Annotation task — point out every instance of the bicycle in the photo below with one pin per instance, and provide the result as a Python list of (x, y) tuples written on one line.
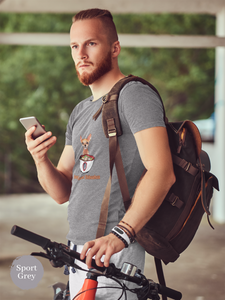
[(60, 255)]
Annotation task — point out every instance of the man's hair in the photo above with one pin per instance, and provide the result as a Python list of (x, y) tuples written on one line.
[(104, 16)]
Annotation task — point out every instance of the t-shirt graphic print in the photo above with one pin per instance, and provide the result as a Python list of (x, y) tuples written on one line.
[(86, 160)]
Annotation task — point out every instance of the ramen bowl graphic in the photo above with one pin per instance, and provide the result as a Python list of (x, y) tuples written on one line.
[(86, 162)]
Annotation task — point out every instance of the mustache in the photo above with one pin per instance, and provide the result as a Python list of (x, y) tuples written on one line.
[(84, 62)]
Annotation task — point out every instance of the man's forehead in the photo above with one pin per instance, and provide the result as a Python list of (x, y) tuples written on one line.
[(90, 27)]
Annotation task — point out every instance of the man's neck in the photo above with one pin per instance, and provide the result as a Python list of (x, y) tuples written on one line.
[(104, 84)]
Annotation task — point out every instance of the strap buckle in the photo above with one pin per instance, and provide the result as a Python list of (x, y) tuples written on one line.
[(174, 201), (111, 134), (111, 128), (187, 167), (105, 99)]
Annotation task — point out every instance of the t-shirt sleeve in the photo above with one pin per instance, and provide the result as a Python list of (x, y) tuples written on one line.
[(141, 107), (69, 129)]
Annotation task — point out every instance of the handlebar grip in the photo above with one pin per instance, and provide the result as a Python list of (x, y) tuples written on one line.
[(173, 294), (30, 236)]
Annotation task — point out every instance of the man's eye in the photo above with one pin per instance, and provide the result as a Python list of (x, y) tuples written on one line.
[(74, 47), (91, 44)]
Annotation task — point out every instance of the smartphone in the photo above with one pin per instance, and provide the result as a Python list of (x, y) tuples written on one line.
[(32, 121)]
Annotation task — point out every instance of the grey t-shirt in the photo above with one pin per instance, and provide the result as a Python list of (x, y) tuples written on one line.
[(139, 108)]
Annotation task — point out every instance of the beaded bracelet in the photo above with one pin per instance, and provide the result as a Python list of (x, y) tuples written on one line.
[(122, 233), (127, 231)]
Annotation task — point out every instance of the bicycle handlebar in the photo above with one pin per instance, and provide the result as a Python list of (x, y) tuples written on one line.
[(67, 256), (30, 237), (173, 294), (45, 243)]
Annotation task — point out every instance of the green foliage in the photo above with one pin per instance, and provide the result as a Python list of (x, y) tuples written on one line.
[(184, 78), (35, 22), (165, 24), (41, 81)]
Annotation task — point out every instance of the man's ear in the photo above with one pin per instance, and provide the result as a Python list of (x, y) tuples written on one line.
[(116, 49)]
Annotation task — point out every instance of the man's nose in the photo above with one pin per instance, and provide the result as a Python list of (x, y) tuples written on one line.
[(82, 54)]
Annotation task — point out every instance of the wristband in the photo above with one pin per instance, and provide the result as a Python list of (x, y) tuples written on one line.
[(121, 235), (130, 235)]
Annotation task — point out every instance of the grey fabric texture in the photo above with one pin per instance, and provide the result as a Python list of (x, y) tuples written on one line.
[(139, 108)]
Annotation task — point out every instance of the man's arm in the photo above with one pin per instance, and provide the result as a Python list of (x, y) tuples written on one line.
[(55, 181), (155, 153)]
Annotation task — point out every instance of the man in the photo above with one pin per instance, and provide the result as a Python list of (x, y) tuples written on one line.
[(144, 144)]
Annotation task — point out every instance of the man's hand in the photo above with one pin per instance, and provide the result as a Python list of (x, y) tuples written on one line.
[(107, 245), (39, 147)]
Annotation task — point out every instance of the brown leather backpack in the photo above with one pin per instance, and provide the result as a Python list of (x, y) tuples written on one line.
[(173, 226)]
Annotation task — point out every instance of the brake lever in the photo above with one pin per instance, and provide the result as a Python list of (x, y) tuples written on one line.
[(56, 263)]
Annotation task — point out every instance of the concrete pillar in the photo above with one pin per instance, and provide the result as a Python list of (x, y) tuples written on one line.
[(219, 199)]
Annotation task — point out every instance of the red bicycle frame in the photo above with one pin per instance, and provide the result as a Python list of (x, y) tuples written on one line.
[(88, 289)]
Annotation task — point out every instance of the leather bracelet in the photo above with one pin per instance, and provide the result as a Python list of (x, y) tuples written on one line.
[(127, 231), (121, 234), (134, 234)]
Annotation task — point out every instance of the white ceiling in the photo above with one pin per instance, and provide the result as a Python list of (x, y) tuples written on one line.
[(213, 7), (115, 6)]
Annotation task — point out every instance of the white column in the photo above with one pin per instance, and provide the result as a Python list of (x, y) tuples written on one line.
[(219, 199)]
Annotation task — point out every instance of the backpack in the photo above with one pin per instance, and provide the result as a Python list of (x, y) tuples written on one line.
[(171, 229)]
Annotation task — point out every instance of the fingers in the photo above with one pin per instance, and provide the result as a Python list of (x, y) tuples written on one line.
[(102, 248), (85, 249), (99, 257), (115, 245), (108, 255), (88, 254), (39, 147), (28, 134)]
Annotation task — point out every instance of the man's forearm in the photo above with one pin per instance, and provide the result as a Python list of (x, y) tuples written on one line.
[(148, 197), (54, 182)]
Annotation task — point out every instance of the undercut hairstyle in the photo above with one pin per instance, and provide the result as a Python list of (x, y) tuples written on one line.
[(104, 16)]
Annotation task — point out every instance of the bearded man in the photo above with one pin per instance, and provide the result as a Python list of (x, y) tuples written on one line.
[(144, 145)]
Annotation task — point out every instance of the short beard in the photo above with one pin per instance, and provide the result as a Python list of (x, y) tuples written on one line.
[(102, 68)]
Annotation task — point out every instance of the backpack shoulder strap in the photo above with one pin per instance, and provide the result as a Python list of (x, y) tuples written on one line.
[(112, 129), (109, 108)]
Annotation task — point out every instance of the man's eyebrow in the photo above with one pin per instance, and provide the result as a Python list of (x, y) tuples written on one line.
[(87, 41)]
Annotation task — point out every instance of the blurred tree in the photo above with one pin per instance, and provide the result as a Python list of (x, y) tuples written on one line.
[(41, 81), (184, 77)]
